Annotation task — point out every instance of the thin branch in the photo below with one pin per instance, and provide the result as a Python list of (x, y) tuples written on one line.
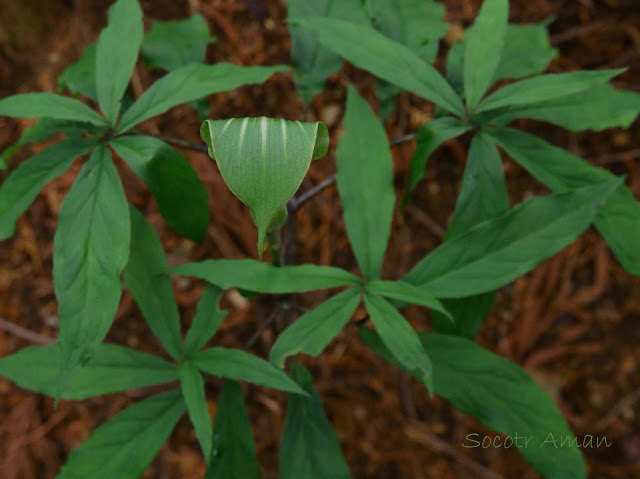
[(265, 324), (189, 145), (295, 203), (627, 401), (402, 139), (609, 158), (421, 434), (580, 30), (24, 333), (437, 230)]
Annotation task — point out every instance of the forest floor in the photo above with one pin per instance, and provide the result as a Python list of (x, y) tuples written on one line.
[(573, 323)]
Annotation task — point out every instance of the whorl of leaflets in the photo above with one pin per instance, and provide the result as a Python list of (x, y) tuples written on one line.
[(263, 161)]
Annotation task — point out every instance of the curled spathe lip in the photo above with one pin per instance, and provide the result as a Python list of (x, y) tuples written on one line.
[(264, 160)]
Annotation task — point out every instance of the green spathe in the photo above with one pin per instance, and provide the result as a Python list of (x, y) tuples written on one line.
[(263, 161)]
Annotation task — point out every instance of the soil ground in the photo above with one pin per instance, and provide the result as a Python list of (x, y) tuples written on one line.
[(573, 322)]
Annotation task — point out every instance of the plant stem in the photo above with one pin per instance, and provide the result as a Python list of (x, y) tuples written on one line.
[(274, 240), (189, 145)]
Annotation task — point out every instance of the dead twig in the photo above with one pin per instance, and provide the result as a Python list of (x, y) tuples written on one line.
[(24, 333), (419, 433), (437, 230), (627, 401)]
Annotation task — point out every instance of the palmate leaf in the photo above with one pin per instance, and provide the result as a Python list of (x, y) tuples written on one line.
[(23, 184), (239, 365), (497, 251), (310, 447), (314, 63), (80, 77), (429, 137), (405, 292), (483, 196), (182, 198), (526, 51), (482, 49), (48, 105), (147, 277), (401, 339), (234, 451), (192, 386), (597, 109), (545, 87), (618, 220), (264, 160), (189, 83), (365, 183), (91, 247), (502, 396), (206, 320), (113, 369), (388, 60), (44, 129), (124, 446), (116, 55), (174, 44), (417, 24), (252, 275), (312, 331)]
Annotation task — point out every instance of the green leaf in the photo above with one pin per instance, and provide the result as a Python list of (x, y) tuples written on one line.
[(483, 196), (484, 189), (44, 129), (182, 198), (147, 278), (253, 275), (124, 446), (91, 247), (310, 447), (388, 60), (367, 198), (313, 63), (429, 137), (401, 339), (234, 452), (80, 77), (23, 184), (503, 397), (526, 51), (415, 24), (482, 49), (174, 44), (312, 331), (190, 83), (618, 220), (545, 87), (497, 251), (241, 366), (192, 386), (112, 369), (597, 109), (206, 320), (264, 160), (116, 55), (455, 67), (468, 315), (401, 291), (41, 105)]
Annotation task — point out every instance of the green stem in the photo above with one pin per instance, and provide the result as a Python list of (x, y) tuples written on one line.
[(273, 240)]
